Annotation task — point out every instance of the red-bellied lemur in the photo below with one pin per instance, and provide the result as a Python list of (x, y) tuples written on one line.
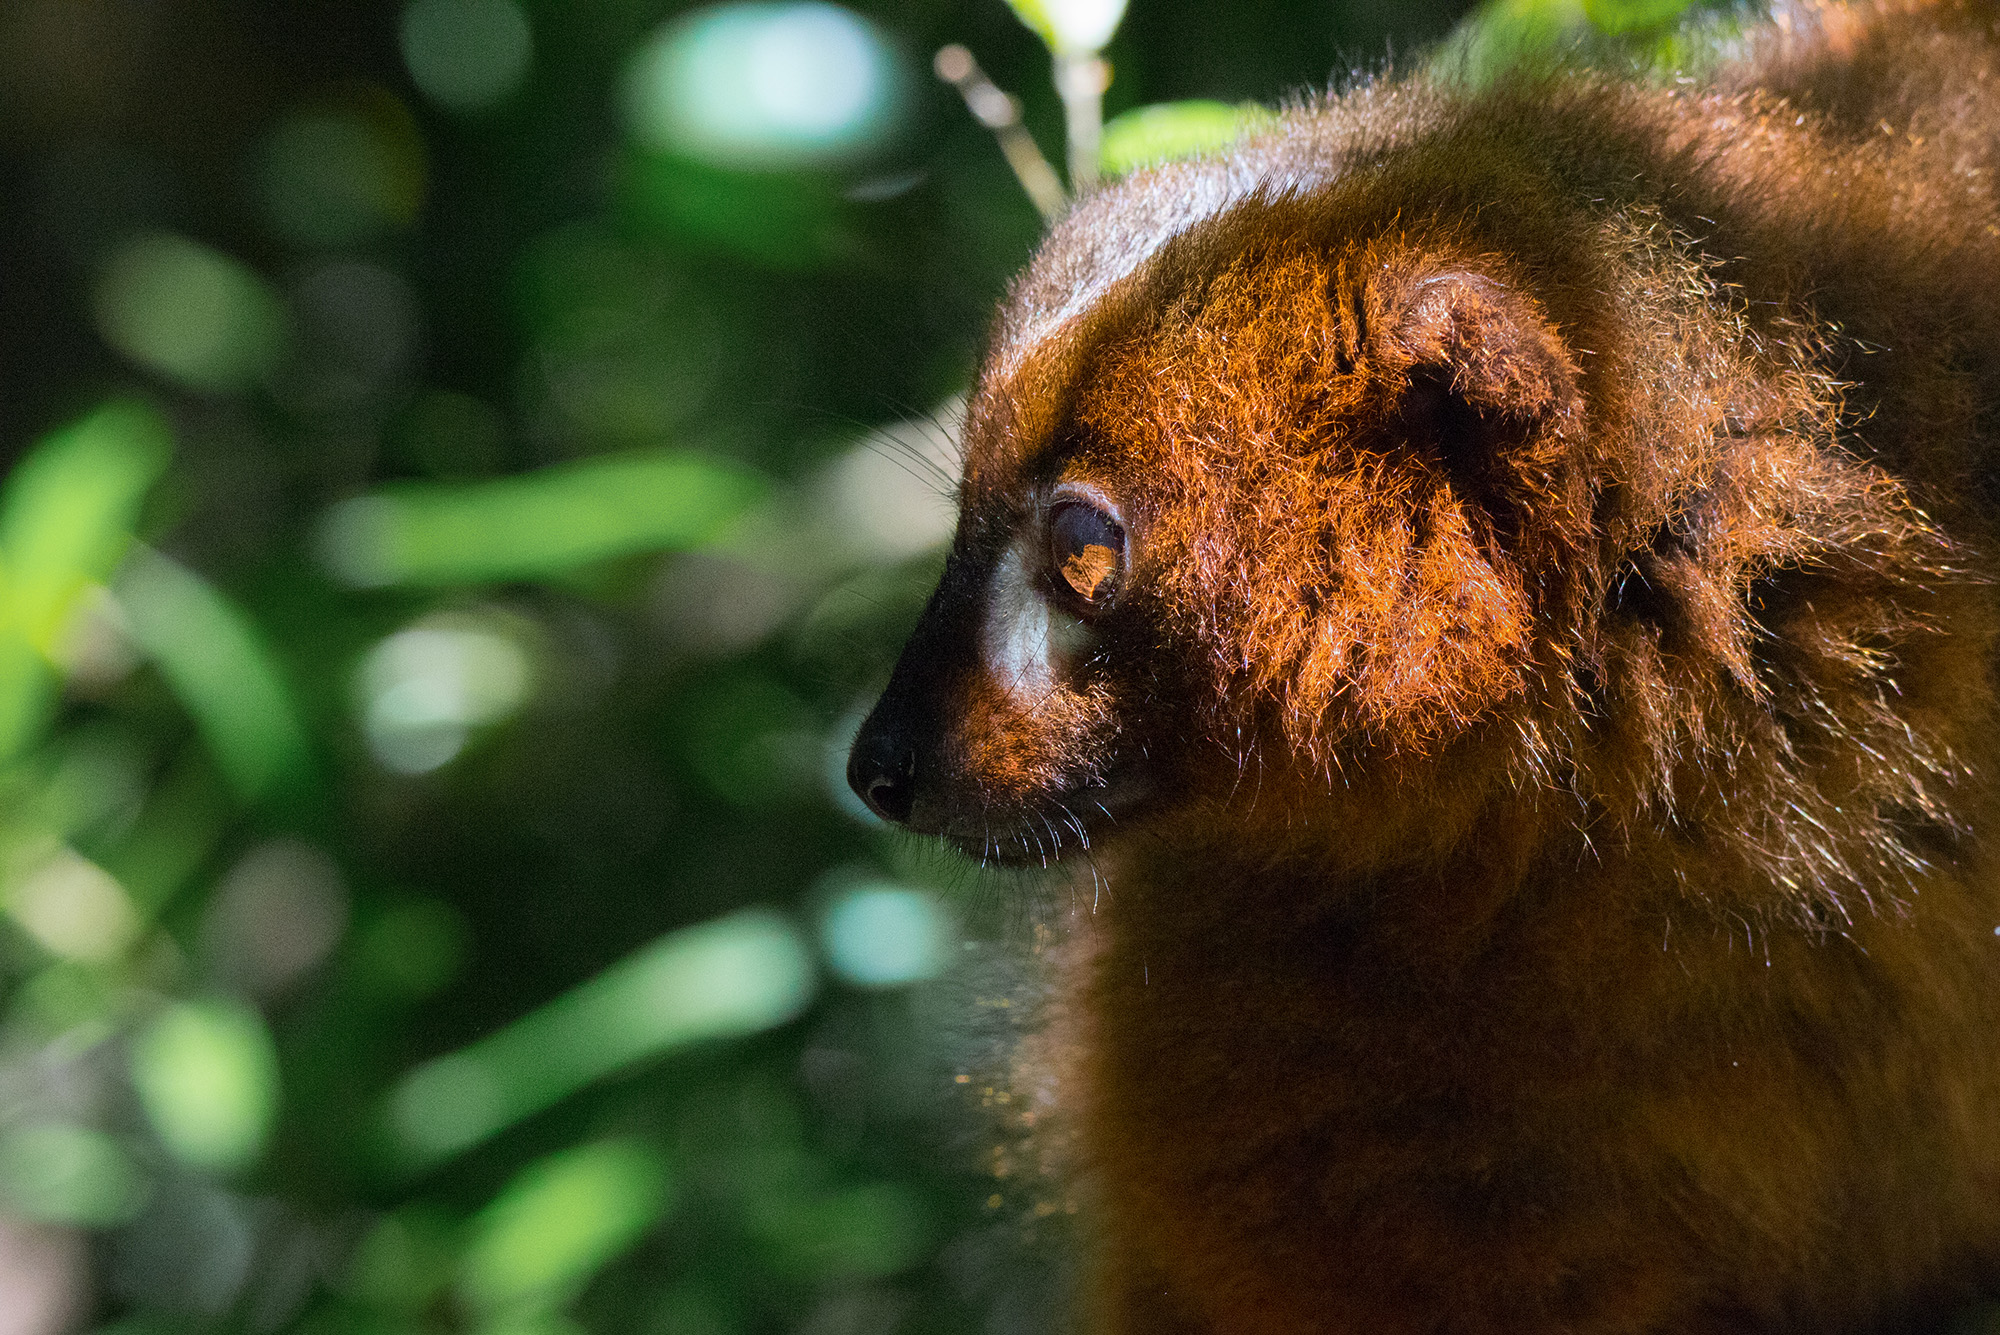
[(1499, 580)]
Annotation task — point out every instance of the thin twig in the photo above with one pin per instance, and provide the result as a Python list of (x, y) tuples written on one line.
[(1000, 112)]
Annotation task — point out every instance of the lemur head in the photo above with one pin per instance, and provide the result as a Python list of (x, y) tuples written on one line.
[(1339, 498), (1236, 481)]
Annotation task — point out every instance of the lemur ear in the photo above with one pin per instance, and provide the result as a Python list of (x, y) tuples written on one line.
[(1484, 345)]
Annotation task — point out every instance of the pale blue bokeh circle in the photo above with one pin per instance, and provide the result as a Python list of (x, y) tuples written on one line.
[(765, 86)]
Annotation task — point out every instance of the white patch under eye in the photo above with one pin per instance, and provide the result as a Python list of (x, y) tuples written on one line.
[(1025, 641)]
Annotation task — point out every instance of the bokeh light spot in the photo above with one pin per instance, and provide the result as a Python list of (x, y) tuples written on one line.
[(207, 1076), (893, 495), (467, 55), (75, 1000), (1071, 26), (278, 913), (94, 648), (883, 935), (73, 908), (765, 86), (188, 313), (424, 689), (54, 1172)]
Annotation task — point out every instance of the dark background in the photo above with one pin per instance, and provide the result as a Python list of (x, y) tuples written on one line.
[(283, 818)]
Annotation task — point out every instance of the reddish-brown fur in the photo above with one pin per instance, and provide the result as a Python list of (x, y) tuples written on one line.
[(1540, 755)]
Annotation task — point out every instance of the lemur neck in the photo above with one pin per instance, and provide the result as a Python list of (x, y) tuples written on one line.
[(1398, 881)]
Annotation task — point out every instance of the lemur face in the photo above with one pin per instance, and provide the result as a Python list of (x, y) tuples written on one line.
[(1263, 491), (1014, 724)]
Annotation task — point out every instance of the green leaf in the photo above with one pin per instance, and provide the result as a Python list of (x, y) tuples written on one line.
[(65, 520), (1501, 35), (216, 661), (729, 978), (1168, 131), (535, 525), (558, 1223), (1623, 16)]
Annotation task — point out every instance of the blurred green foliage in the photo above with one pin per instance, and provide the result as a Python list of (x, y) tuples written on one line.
[(472, 462), (1165, 131)]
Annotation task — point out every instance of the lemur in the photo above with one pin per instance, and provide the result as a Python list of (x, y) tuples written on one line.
[(1499, 582)]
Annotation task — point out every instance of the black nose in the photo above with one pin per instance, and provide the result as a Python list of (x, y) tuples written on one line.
[(881, 769)]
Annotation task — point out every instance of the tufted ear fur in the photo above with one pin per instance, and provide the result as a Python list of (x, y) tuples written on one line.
[(1488, 385), (1486, 346), (1367, 484)]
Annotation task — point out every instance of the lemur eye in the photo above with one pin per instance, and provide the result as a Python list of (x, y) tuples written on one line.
[(1086, 553)]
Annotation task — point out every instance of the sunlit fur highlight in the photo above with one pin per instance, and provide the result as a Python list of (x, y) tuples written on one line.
[(1540, 757)]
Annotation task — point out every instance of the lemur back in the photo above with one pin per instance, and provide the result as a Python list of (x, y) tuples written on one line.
[(1498, 582)]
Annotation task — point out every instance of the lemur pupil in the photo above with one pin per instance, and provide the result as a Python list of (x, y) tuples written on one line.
[(1086, 544), (1088, 569)]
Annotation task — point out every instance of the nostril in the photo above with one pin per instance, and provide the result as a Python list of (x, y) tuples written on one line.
[(890, 796), (882, 774)]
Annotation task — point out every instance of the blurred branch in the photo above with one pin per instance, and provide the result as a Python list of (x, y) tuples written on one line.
[(1076, 32), (1000, 112), (1080, 81)]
